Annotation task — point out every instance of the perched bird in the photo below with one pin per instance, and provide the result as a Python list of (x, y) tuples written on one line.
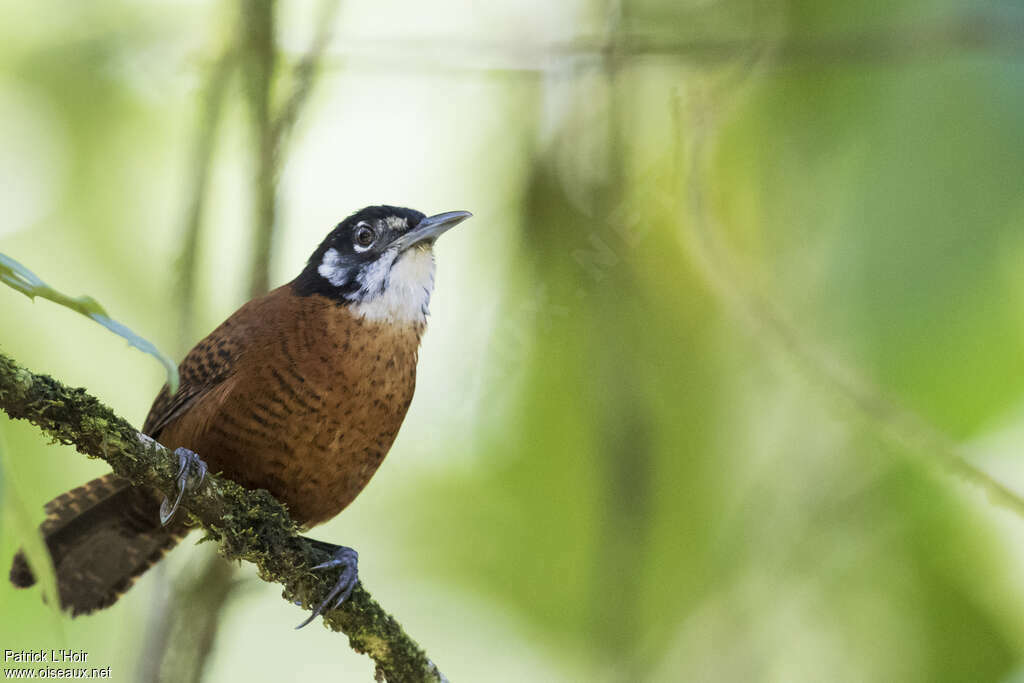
[(300, 392)]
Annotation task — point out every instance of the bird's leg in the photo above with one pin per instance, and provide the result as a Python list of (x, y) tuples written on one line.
[(347, 560), (191, 472)]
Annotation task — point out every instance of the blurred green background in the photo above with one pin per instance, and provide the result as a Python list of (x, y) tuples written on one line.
[(741, 276)]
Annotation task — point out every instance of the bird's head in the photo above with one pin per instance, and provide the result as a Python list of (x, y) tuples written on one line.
[(380, 262)]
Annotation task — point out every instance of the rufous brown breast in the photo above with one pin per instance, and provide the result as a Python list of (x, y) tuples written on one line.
[(296, 395)]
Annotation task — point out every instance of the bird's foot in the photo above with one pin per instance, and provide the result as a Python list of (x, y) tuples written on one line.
[(347, 560), (191, 473)]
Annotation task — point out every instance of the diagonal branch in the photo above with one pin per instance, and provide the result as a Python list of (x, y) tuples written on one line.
[(249, 525), (205, 142), (303, 76), (837, 382)]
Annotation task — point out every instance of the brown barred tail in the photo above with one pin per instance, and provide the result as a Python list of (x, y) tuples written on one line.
[(101, 536)]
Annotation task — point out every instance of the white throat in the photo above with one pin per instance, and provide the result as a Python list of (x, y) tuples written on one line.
[(398, 292)]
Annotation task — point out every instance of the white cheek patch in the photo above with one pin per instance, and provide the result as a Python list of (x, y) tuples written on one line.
[(332, 269), (404, 294), (373, 279)]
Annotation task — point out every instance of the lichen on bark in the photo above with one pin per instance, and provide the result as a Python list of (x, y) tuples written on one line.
[(248, 525)]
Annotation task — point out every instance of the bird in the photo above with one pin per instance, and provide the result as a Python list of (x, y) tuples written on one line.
[(300, 392)]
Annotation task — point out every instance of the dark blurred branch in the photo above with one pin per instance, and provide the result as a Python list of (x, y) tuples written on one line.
[(623, 453), (184, 621), (212, 100), (194, 618), (258, 59), (271, 129), (249, 525), (304, 74)]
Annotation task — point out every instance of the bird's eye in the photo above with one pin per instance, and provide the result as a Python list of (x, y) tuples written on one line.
[(364, 236)]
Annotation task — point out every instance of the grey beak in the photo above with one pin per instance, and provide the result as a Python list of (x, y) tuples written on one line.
[(430, 228)]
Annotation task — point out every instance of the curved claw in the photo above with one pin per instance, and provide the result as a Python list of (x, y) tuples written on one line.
[(187, 461), (348, 560), (167, 509)]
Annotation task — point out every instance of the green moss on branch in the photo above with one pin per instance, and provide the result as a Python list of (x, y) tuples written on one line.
[(249, 525)]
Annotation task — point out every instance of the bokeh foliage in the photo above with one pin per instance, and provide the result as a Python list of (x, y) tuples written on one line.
[(612, 471)]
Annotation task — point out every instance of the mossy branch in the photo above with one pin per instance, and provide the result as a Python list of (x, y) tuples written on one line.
[(249, 525)]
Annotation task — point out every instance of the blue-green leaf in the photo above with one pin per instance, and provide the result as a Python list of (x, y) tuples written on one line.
[(17, 276)]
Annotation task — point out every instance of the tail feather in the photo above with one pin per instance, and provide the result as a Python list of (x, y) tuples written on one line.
[(102, 536)]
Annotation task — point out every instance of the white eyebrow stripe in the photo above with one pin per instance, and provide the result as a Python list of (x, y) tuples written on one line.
[(397, 223)]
